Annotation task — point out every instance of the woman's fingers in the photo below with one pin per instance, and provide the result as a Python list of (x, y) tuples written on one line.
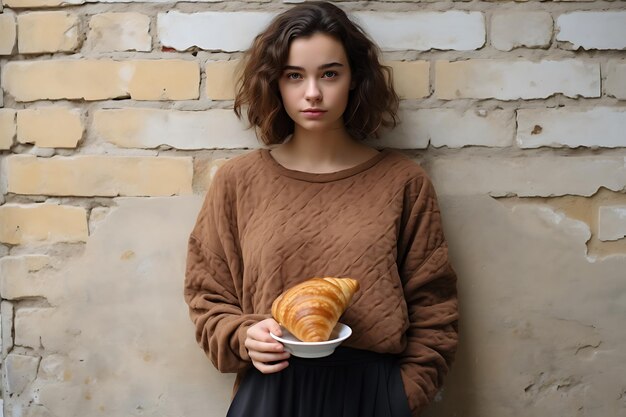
[(270, 368), (267, 355)]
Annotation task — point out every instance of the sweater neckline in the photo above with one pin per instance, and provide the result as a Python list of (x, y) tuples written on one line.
[(322, 177)]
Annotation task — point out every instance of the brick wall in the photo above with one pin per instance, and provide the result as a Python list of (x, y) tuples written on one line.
[(114, 116)]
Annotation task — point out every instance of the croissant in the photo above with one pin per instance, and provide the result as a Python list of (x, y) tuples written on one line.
[(311, 309)]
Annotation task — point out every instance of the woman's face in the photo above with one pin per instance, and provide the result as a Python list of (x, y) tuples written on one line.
[(315, 83)]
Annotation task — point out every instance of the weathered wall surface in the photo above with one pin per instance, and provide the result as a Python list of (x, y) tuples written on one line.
[(115, 115)]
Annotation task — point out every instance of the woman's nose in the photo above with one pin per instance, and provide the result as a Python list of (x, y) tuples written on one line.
[(313, 91)]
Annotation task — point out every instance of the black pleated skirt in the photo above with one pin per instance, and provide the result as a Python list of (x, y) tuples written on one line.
[(348, 383)]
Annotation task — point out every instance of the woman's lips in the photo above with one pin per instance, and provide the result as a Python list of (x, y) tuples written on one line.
[(313, 113)]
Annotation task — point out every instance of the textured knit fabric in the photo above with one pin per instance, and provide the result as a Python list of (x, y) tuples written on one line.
[(264, 228), (348, 383)]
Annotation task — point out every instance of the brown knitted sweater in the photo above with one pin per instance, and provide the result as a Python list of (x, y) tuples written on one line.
[(264, 228)]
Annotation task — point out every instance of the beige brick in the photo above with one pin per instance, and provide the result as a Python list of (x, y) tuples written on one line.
[(20, 224), (7, 33), (511, 30), (150, 128), (515, 79), (50, 127), (411, 79), (19, 277), (98, 175), (119, 32), (102, 79), (615, 85), (220, 79), (42, 32), (205, 172), (7, 128)]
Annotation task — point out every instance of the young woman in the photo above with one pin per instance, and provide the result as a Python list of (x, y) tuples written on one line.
[(319, 202)]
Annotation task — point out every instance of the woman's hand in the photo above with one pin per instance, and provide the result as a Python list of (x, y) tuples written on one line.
[(268, 355)]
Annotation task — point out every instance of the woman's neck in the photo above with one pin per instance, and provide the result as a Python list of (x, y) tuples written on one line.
[(324, 151)]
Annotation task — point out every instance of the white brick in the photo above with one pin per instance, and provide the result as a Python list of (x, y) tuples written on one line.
[(8, 128), (511, 30), (19, 276), (225, 31), (52, 3), (572, 127), (452, 128), (6, 316), (615, 85), (119, 32), (20, 371), (451, 30), (405, 135), (527, 177), (593, 30), (455, 128), (515, 79), (149, 128), (28, 321), (612, 223)]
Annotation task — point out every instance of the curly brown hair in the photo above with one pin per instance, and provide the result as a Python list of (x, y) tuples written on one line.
[(372, 104)]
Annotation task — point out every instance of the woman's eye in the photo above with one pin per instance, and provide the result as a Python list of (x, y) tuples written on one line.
[(293, 76), (330, 74)]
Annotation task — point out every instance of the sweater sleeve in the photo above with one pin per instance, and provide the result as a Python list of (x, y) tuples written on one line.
[(213, 280), (429, 284)]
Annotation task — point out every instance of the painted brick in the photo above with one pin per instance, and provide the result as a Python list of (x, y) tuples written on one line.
[(7, 128), (422, 31), (102, 79), (20, 224), (612, 223), (97, 175), (572, 127), (149, 128), (19, 278), (20, 372), (50, 127), (527, 177), (455, 128), (515, 79), (615, 85), (411, 79), (53, 3), (28, 322), (510, 30), (452, 128), (119, 32), (8, 33), (220, 79), (593, 29), (42, 32), (40, 3), (222, 31)]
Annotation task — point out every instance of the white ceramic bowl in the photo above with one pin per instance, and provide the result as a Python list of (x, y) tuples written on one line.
[(314, 349)]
